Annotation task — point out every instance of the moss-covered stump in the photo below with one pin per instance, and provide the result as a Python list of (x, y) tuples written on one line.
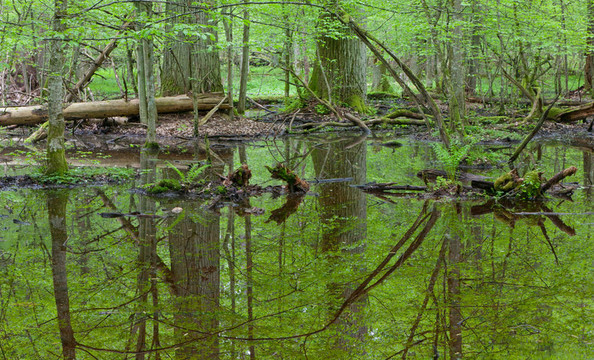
[(163, 186), (294, 183), (240, 177), (508, 181)]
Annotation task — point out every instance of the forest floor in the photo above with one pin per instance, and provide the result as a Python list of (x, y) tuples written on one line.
[(507, 129)]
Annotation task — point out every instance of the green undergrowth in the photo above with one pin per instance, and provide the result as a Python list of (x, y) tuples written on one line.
[(84, 175), (193, 178)]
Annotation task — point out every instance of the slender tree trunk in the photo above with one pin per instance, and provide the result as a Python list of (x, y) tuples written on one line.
[(228, 25), (56, 158), (245, 60), (146, 78), (473, 62), (56, 205), (589, 66), (287, 51)]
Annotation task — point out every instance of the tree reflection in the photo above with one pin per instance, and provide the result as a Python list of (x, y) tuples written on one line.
[(57, 202), (343, 215), (195, 267)]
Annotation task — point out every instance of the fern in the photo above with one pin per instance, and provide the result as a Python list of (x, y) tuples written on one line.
[(192, 175), (182, 177), (195, 171), (451, 158)]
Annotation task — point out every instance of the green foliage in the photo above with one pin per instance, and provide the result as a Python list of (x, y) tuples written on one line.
[(530, 187), (293, 104), (321, 109), (163, 186), (84, 174), (451, 158), (193, 174)]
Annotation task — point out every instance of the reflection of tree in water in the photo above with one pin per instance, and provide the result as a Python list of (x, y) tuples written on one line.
[(194, 252), (56, 204), (343, 214), (147, 260), (446, 283)]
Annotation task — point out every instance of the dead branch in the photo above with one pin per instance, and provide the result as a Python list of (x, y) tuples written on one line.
[(541, 121), (557, 178)]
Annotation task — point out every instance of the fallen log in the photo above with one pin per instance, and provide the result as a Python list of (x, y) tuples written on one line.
[(397, 121), (33, 115), (575, 113)]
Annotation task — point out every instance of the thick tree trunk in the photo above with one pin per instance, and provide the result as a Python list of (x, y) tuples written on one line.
[(340, 72), (32, 115), (56, 158), (380, 80), (456, 101), (189, 62)]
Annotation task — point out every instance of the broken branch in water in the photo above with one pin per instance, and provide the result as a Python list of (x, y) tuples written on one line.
[(294, 182)]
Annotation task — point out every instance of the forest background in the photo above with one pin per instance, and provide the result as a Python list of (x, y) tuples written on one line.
[(501, 52)]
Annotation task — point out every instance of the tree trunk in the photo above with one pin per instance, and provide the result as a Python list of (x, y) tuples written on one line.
[(228, 25), (31, 115), (456, 99), (189, 62), (340, 71), (245, 61), (473, 62), (56, 158), (589, 66), (146, 79), (380, 80)]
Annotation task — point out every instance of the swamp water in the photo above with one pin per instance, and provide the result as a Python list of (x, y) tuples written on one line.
[(337, 274)]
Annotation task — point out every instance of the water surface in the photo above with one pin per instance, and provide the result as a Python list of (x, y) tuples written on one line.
[(336, 274)]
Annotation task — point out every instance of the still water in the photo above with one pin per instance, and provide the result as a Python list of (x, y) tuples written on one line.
[(336, 274)]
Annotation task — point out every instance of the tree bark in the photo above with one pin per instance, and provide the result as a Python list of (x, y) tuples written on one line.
[(589, 66), (31, 115), (56, 158), (245, 61), (340, 72), (189, 62), (456, 99)]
